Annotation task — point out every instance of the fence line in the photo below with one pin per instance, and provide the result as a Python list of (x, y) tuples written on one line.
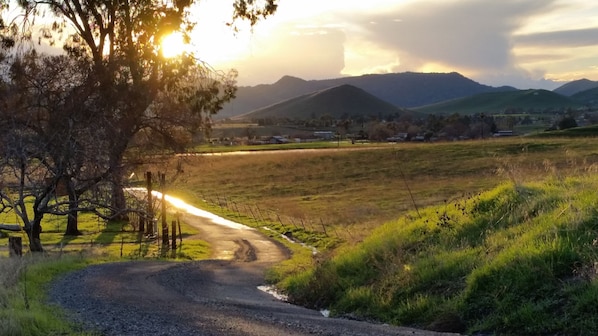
[(272, 217)]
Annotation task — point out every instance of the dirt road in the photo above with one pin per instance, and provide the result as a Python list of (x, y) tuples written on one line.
[(213, 297)]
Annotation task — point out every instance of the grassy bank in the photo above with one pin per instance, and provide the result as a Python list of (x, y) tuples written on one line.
[(23, 307), (519, 259)]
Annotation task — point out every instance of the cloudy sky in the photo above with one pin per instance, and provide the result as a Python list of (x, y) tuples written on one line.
[(523, 43)]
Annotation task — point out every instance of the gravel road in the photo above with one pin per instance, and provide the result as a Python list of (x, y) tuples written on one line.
[(211, 297)]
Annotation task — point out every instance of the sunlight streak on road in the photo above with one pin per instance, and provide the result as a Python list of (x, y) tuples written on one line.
[(181, 205)]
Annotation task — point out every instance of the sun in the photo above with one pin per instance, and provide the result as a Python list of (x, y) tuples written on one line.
[(173, 45)]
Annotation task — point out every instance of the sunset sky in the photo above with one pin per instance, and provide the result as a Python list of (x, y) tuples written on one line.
[(523, 43)]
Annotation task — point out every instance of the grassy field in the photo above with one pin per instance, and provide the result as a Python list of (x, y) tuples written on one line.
[(493, 236), (354, 191)]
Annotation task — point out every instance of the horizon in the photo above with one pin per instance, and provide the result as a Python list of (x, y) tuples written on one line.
[(558, 85), (539, 44)]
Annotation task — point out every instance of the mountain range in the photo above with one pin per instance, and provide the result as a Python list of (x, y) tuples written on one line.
[(339, 102), (388, 94)]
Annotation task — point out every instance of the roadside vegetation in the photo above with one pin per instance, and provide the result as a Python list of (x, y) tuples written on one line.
[(24, 281), (23, 307), (518, 259)]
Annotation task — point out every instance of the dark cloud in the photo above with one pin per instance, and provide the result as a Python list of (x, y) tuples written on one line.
[(561, 39), (472, 34)]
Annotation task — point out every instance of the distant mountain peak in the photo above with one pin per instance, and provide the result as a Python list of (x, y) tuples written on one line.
[(576, 86), (341, 101), (285, 80)]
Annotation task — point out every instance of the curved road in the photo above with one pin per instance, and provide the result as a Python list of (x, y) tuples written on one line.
[(213, 297)]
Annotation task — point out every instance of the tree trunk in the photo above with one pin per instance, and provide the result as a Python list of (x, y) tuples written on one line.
[(35, 243), (118, 201), (72, 222)]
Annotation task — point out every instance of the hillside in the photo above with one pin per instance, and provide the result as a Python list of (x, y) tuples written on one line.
[(338, 102), (508, 261), (498, 102), (411, 89), (400, 89), (587, 97), (576, 86)]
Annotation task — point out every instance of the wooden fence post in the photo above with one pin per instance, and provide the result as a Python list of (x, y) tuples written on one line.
[(163, 210), (15, 246), (141, 227), (173, 224), (178, 223), (150, 209)]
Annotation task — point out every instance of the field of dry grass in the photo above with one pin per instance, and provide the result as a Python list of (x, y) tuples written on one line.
[(354, 191)]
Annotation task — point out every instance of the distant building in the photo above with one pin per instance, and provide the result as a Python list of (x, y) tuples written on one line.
[(326, 135), (503, 133)]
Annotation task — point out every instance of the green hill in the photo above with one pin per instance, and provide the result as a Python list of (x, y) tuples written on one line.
[(575, 87), (340, 102), (408, 89), (499, 102), (575, 132), (587, 97)]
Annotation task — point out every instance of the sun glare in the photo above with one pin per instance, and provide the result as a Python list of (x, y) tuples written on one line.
[(173, 45)]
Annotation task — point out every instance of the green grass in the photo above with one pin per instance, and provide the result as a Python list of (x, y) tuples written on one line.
[(23, 308), (518, 259), (576, 132), (112, 239)]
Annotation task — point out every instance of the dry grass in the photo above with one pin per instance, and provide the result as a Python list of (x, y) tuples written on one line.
[(354, 191)]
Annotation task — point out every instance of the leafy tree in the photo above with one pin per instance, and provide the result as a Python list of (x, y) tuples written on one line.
[(567, 122)]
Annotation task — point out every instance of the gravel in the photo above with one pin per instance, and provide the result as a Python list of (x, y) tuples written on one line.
[(211, 297), (191, 298)]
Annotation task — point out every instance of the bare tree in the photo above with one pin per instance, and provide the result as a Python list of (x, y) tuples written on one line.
[(51, 146)]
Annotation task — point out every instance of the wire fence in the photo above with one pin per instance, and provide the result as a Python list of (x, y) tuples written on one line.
[(257, 215), (132, 239)]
